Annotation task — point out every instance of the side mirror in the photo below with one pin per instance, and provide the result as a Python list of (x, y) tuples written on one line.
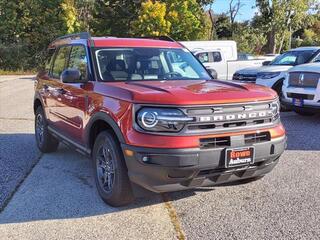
[(213, 73), (266, 63), (72, 75)]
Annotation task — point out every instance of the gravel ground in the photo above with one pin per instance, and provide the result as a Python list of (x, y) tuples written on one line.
[(58, 200), (18, 152)]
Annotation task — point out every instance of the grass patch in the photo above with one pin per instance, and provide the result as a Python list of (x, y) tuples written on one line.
[(18, 72)]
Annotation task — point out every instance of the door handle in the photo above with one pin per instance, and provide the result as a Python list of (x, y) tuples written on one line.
[(46, 87), (61, 91)]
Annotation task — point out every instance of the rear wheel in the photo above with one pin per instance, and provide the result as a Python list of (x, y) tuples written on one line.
[(45, 141), (110, 171)]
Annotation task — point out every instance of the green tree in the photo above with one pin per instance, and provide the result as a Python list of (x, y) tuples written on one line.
[(279, 18), (182, 20), (222, 26), (249, 39), (187, 18), (114, 17), (26, 29), (151, 20), (70, 16)]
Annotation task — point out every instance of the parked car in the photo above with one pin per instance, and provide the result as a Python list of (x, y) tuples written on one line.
[(146, 111), (301, 89), (273, 73), (220, 57)]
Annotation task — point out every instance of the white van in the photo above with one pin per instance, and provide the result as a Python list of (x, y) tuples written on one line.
[(220, 56)]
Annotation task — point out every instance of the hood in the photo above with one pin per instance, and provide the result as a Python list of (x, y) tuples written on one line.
[(256, 70), (185, 92), (310, 67)]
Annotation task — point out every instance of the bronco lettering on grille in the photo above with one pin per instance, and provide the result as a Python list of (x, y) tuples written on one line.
[(240, 116)]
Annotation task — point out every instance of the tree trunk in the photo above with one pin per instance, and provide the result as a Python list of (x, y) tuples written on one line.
[(281, 43), (271, 42)]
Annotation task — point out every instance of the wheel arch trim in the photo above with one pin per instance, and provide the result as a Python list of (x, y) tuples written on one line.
[(102, 116)]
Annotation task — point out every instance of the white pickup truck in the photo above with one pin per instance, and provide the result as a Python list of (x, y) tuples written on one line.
[(220, 57)]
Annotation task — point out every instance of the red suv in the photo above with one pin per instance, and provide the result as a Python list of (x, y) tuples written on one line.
[(146, 111)]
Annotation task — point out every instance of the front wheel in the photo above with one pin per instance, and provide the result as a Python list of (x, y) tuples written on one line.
[(110, 171), (278, 89)]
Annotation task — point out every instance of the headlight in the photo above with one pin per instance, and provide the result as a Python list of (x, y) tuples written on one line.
[(161, 119), (268, 75), (275, 106)]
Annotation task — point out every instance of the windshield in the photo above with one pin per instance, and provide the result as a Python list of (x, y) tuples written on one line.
[(293, 58), (134, 64)]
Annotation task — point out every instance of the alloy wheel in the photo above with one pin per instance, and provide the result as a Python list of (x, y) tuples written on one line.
[(105, 168)]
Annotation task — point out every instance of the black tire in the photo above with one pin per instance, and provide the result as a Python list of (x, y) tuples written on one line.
[(278, 89), (45, 141), (304, 113), (110, 171)]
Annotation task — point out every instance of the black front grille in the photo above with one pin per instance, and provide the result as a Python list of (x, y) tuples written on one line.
[(257, 138), (223, 142), (217, 142), (245, 77), (300, 96), (303, 79)]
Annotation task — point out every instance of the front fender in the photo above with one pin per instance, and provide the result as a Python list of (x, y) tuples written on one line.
[(106, 118)]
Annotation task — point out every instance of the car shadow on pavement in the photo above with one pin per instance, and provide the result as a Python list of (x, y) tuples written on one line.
[(302, 131), (61, 186)]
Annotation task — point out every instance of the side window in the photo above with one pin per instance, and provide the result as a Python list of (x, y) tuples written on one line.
[(60, 61), (288, 60), (216, 57), (317, 58), (49, 59), (203, 57), (78, 60)]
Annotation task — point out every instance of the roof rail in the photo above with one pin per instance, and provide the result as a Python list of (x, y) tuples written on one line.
[(163, 38), (81, 35)]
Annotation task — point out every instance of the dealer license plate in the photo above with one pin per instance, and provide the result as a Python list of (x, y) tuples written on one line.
[(239, 156), (297, 102)]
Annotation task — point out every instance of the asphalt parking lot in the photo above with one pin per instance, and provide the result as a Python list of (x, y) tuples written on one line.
[(52, 196)]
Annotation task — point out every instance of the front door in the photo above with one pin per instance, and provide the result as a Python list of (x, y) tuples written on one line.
[(75, 95), (71, 98)]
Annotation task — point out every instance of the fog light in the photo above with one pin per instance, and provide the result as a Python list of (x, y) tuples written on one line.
[(145, 159)]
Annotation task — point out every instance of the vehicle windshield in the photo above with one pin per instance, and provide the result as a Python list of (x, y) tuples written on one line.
[(293, 58), (134, 64)]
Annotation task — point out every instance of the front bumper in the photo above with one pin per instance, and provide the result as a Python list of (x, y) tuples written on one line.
[(164, 170), (306, 108), (309, 105)]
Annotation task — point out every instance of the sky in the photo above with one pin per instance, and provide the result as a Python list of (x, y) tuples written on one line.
[(246, 12)]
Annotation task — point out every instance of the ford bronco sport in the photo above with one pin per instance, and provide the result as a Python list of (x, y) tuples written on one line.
[(147, 112)]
